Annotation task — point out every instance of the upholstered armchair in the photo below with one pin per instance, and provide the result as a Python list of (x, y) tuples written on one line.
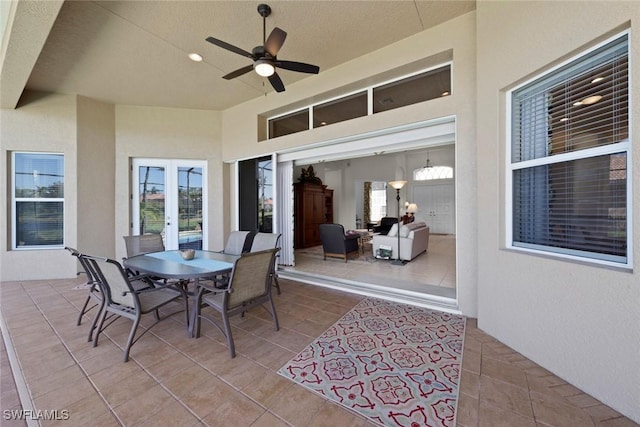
[(335, 243), (385, 225)]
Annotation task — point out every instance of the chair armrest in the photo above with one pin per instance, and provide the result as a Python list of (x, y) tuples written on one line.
[(211, 287)]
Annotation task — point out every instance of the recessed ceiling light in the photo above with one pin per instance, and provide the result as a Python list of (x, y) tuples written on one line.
[(597, 79), (445, 93), (591, 100), (323, 123), (577, 103), (195, 57)]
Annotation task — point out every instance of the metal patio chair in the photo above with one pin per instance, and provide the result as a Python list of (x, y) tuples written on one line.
[(262, 241), (249, 286), (122, 298)]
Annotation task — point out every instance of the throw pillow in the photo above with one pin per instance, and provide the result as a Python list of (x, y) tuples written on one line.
[(394, 230), (404, 231)]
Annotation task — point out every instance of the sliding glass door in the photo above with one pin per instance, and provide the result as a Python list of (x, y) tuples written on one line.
[(255, 178), (170, 199)]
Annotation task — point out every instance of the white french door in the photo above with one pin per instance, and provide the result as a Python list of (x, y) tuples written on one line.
[(436, 205), (170, 198)]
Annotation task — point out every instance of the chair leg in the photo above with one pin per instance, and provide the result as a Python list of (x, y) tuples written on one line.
[(94, 322), (103, 315), (275, 282), (132, 334), (274, 315), (84, 310), (227, 327)]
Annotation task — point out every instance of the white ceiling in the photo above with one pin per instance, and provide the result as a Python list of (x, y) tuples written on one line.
[(135, 52)]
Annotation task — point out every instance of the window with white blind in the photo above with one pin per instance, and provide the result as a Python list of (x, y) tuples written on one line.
[(37, 200), (570, 159), (378, 200)]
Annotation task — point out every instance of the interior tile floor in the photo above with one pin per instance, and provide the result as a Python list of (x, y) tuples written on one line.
[(434, 268), (174, 380)]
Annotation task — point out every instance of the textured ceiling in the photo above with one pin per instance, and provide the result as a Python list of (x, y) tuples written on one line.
[(135, 52)]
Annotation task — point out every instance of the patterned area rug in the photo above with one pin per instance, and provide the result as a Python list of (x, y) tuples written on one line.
[(397, 364)]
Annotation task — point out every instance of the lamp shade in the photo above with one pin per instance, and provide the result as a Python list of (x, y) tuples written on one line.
[(397, 184), (413, 208)]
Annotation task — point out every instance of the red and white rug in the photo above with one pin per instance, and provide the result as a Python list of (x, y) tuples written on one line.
[(397, 364)]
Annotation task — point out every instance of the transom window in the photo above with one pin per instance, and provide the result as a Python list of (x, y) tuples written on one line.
[(37, 200), (433, 172), (569, 158), (407, 90)]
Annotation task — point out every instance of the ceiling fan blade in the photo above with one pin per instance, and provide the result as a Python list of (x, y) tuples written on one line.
[(230, 47), (238, 72), (276, 82), (300, 67), (275, 41)]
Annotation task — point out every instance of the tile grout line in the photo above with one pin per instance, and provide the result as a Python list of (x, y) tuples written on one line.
[(18, 377)]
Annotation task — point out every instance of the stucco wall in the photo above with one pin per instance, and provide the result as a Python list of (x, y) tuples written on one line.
[(147, 132), (47, 123), (579, 321), (240, 131), (95, 184)]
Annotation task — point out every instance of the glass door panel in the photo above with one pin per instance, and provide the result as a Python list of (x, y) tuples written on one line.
[(265, 195), (190, 207), (151, 191)]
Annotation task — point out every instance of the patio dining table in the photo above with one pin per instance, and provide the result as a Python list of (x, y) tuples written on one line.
[(171, 265)]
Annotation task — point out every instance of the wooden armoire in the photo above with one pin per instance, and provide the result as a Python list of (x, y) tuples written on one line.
[(313, 205)]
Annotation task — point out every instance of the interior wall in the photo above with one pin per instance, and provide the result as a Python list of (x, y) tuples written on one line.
[(577, 320), (151, 132), (45, 123), (95, 183)]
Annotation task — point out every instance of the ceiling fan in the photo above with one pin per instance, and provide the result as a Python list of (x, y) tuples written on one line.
[(264, 57)]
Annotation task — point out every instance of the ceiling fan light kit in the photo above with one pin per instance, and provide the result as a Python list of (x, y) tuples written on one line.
[(264, 57), (264, 67)]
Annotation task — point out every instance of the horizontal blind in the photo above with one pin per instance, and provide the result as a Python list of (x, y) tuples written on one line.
[(574, 204), (581, 105), (576, 207)]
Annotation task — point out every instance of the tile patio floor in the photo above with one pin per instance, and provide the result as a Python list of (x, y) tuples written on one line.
[(173, 380)]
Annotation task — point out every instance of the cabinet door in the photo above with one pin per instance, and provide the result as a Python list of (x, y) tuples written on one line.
[(318, 208)]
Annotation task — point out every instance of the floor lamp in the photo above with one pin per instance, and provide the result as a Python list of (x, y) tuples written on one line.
[(398, 185)]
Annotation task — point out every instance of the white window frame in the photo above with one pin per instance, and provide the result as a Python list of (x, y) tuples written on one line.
[(623, 146), (15, 200)]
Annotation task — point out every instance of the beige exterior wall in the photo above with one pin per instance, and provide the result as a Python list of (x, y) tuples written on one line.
[(171, 133), (95, 184), (579, 321), (45, 123), (240, 124)]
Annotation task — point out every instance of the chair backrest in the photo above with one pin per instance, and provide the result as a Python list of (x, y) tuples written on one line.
[(238, 242), (91, 278), (262, 241), (331, 233), (114, 282), (143, 244), (251, 277)]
